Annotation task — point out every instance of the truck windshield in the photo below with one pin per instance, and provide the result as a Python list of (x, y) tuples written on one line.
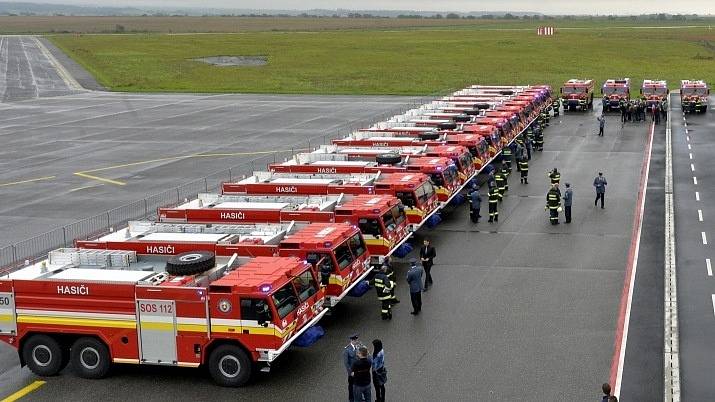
[(568, 90), (615, 91), (450, 174), (655, 91), (357, 245), (305, 285), (425, 192), (285, 300), (392, 218), (343, 255), (694, 91), (466, 160)]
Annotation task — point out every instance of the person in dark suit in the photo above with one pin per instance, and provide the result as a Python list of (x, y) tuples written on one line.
[(427, 255), (350, 357)]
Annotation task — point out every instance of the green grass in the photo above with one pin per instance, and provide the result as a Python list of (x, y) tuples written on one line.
[(406, 62)]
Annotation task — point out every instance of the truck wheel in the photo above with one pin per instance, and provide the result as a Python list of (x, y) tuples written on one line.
[(388, 159), (506, 92), (90, 358), (191, 263), (429, 136), (462, 118), (230, 366), (481, 106), (43, 355), (447, 126)]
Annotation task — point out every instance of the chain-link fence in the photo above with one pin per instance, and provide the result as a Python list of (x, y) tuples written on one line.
[(35, 248)]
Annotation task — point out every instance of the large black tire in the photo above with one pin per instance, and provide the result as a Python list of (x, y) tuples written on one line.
[(481, 106), (191, 263), (446, 126), (230, 366), (506, 92), (43, 355), (90, 358), (429, 136), (388, 159), (462, 118), (474, 112)]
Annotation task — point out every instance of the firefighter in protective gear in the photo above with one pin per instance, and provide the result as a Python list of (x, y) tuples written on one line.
[(390, 273), (384, 286), (538, 139), (553, 204), (555, 177), (500, 182), (524, 169), (506, 172), (506, 155), (556, 105), (494, 199)]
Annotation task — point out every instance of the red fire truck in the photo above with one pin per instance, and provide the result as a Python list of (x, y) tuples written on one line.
[(577, 94), (654, 92), (248, 240), (459, 155), (380, 217), (441, 172), (694, 96), (614, 92), (93, 308)]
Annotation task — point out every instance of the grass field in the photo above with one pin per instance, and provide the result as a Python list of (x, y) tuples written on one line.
[(73, 24), (405, 62)]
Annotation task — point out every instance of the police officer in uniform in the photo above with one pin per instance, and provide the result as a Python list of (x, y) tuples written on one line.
[(475, 203), (553, 203), (524, 169), (494, 199), (384, 286), (349, 357)]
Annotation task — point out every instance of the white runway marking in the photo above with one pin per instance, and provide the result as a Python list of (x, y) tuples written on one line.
[(697, 196), (695, 180), (687, 137), (692, 167), (689, 146), (691, 156), (705, 238), (700, 215), (709, 267)]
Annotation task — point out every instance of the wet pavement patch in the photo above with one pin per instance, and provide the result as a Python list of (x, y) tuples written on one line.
[(230, 61)]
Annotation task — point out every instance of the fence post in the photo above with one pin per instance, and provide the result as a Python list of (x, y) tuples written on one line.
[(14, 254), (146, 208), (177, 196), (108, 224), (308, 145), (206, 185), (64, 236)]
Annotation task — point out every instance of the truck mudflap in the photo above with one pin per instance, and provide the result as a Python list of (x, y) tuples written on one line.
[(334, 300), (270, 355)]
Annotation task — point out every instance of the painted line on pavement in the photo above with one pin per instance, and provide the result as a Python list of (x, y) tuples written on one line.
[(624, 315), (86, 173), (709, 267), (692, 167), (37, 384), (713, 296), (671, 340), (705, 238), (697, 196), (26, 181), (695, 180), (687, 137), (700, 215), (690, 155), (689, 147)]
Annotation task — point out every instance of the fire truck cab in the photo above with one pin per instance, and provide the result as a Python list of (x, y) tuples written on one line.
[(654, 92), (694, 96), (615, 91), (157, 238), (577, 94), (94, 308)]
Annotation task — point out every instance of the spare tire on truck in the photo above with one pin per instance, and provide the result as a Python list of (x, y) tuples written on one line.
[(429, 136), (462, 118), (388, 159), (447, 126), (191, 263)]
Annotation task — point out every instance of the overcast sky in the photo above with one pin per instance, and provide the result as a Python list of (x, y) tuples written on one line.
[(543, 6)]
